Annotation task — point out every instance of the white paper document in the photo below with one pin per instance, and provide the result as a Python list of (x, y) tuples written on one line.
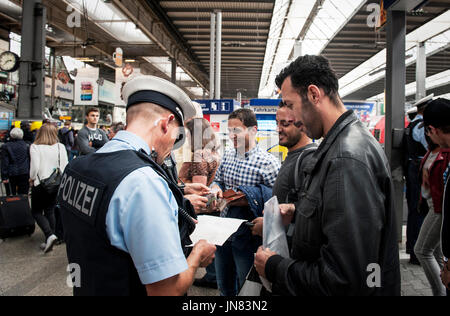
[(215, 230)]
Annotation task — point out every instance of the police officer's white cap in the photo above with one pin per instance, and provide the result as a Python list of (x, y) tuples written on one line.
[(151, 89), (424, 101), (412, 110)]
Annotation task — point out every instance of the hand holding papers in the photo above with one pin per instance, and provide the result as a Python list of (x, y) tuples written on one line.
[(215, 230)]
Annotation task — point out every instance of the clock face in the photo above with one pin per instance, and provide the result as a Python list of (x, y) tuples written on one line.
[(9, 62)]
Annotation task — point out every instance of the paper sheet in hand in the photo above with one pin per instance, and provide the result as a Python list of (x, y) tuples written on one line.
[(215, 230)]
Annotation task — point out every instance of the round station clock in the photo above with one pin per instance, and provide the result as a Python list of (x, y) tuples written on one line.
[(9, 62)]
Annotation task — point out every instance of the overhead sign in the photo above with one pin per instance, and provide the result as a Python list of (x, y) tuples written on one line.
[(265, 109), (383, 13), (217, 106), (265, 102), (63, 91), (86, 86), (107, 92), (122, 76)]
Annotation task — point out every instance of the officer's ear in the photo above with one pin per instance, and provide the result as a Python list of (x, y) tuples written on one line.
[(166, 123)]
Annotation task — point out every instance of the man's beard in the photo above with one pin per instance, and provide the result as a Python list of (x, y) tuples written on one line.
[(291, 140), (313, 124)]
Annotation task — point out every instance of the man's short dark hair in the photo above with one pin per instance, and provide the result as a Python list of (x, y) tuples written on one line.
[(246, 116), (90, 110), (445, 129), (311, 70)]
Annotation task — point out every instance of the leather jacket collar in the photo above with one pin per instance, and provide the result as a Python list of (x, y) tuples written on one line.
[(345, 119)]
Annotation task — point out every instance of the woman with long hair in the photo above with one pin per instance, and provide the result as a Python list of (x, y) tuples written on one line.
[(204, 153), (46, 155)]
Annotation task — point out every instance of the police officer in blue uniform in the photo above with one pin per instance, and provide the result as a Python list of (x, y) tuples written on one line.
[(126, 223)]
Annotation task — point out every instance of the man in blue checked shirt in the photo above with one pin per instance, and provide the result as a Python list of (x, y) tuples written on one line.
[(249, 168)]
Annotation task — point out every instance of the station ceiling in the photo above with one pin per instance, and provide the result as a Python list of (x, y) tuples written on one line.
[(181, 30)]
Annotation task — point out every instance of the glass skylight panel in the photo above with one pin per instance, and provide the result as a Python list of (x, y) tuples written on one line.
[(329, 20), (111, 20), (333, 15), (293, 20)]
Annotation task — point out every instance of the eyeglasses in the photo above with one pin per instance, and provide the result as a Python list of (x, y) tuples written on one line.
[(286, 124)]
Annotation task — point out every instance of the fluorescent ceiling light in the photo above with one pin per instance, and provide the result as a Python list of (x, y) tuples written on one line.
[(332, 17), (111, 20), (436, 36)]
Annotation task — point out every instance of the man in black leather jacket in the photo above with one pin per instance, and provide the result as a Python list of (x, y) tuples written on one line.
[(345, 239)]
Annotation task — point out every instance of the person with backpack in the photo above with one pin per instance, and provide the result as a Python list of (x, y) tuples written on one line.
[(299, 148), (416, 148), (66, 136)]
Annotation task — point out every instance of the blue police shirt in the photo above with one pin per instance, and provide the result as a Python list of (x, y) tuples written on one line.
[(419, 133), (142, 218)]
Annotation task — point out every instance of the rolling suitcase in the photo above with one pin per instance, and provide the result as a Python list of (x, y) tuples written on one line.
[(15, 216)]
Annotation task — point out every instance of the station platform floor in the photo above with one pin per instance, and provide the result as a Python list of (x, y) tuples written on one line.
[(26, 271)]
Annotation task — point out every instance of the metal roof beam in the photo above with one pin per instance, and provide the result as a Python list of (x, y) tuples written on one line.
[(159, 34)]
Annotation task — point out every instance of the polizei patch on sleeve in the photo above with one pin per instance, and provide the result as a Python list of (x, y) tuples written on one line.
[(80, 195)]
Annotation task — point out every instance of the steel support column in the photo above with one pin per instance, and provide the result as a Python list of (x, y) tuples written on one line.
[(173, 76), (421, 71), (32, 66), (212, 51), (218, 55), (395, 104)]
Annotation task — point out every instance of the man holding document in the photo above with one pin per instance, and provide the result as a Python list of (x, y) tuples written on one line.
[(345, 240)]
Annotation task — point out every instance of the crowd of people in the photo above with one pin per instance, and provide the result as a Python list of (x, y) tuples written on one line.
[(28, 156), (127, 214)]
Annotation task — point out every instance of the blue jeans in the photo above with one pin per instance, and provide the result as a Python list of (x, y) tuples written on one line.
[(233, 262), (428, 251), (210, 275)]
